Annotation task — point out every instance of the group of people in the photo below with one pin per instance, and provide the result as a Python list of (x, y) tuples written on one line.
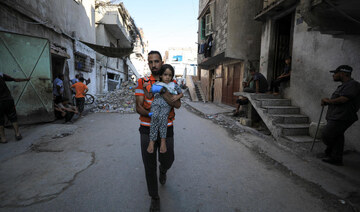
[(257, 83), (342, 106), (62, 105)]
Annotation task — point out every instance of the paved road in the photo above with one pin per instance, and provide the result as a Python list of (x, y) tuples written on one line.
[(99, 168)]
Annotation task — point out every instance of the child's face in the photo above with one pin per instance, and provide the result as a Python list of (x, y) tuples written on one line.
[(167, 76)]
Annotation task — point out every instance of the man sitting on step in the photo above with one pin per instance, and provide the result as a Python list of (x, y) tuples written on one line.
[(257, 84)]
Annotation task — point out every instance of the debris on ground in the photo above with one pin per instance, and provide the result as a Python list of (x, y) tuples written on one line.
[(121, 100)]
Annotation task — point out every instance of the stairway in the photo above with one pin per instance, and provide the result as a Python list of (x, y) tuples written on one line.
[(282, 119), (199, 92)]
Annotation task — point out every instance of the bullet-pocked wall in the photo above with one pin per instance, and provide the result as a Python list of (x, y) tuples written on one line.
[(314, 54)]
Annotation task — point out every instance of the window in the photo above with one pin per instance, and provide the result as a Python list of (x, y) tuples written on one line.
[(206, 25), (83, 62)]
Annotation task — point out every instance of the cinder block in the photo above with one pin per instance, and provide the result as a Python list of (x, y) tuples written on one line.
[(312, 129), (245, 122)]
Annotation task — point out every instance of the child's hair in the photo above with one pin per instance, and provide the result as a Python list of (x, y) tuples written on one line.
[(163, 69)]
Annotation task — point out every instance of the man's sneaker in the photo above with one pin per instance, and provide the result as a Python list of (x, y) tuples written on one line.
[(162, 176), (155, 204)]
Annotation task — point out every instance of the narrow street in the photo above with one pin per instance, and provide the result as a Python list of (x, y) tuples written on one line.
[(98, 167)]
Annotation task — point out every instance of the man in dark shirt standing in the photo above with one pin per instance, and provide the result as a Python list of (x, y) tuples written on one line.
[(341, 114), (7, 107)]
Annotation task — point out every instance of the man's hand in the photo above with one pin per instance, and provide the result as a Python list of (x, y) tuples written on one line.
[(167, 96), (325, 101)]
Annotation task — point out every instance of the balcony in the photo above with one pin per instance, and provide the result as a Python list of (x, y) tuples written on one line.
[(335, 17), (113, 23)]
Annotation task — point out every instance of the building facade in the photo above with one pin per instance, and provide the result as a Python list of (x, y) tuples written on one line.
[(41, 39), (114, 29), (229, 45), (320, 36)]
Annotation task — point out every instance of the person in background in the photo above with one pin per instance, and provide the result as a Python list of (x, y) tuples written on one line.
[(7, 107), (80, 91), (58, 87), (341, 114), (284, 77), (256, 84), (63, 109)]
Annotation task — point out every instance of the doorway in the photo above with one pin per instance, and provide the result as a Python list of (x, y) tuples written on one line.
[(283, 43), (212, 84)]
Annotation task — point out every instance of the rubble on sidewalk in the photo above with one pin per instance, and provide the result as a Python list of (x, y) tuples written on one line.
[(121, 100)]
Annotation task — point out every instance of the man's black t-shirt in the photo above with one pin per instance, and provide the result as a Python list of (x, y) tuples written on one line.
[(4, 90), (347, 110), (263, 84)]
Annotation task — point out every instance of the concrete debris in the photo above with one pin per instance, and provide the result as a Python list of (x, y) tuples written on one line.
[(118, 101)]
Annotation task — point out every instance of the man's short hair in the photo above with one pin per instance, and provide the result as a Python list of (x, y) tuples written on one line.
[(77, 75), (155, 52), (81, 79), (252, 70)]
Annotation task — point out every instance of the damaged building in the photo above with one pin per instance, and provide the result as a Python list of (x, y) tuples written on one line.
[(45, 38)]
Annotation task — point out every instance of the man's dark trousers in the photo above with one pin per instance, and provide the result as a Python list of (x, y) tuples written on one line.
[(333, 137), (166, 160)]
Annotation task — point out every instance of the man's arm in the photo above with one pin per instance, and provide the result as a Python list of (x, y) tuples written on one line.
[(139, 106), (168, 98), (339, 100), (257, 86), (21, 79)]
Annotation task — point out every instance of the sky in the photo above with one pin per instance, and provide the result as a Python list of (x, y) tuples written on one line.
[(166, 23)]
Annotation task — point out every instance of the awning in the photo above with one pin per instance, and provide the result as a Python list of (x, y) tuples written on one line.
[(209, 62), (110, 51), (275, 8)]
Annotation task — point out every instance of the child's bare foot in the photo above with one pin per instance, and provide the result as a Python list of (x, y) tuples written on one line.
[(163, 146), (150, 148)]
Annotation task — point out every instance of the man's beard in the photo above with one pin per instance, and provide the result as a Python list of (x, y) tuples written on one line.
[(155, 71)]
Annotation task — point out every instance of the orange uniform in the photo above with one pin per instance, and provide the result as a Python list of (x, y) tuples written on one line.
[(139, 91), (80, 89)]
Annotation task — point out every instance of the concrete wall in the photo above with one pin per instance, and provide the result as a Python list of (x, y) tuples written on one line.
[(244, 33), (314, 54), (218, 84), (205, 83), (220, 27), (267, 48)]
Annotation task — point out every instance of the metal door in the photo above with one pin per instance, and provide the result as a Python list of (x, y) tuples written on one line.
[(25, 56)]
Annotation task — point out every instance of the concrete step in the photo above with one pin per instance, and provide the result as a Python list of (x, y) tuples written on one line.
[(290, 119), (264, 96), (294, 129), (275, 102), (300, 139), (282, 109)]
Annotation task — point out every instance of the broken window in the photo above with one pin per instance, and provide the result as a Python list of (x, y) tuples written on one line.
[(114, 77), (83, 62)]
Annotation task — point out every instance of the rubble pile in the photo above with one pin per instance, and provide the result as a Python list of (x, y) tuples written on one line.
[(121, 100)]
